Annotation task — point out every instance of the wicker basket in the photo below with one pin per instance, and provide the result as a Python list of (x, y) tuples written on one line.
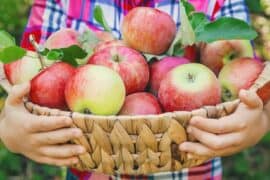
[(140, 144)]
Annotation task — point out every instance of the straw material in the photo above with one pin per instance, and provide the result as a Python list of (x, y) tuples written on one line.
[(141, 144)]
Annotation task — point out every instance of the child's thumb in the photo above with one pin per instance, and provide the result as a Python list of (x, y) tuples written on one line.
[(250, 98), (17, 93)]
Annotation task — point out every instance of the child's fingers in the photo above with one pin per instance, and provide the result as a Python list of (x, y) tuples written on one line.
[(60, 136), (47, 123), (56, 161), (214, 141), (225, 124), (251, 99), (62, 151), (17, 93)]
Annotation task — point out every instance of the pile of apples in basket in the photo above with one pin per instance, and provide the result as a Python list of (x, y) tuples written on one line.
[(154, 68)]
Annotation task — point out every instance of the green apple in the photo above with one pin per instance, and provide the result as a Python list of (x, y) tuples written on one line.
[(95, 89)]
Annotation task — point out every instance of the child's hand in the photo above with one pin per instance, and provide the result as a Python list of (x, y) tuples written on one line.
[(230, 134), (40, 138)]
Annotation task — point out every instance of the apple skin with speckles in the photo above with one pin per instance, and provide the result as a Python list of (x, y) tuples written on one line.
[(148, 30), (188, 87), (141, 103), (128, 63)]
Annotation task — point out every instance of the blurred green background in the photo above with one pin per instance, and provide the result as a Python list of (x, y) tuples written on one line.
[(253, 163)]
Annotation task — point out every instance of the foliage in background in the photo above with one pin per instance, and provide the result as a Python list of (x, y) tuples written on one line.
[(14, 15), (253, 163)]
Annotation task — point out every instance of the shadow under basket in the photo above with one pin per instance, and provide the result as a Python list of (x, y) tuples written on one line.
[(141, 144)]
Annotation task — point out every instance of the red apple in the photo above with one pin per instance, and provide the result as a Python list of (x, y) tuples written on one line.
[(264, 93), (129, 63), (106, 44), (47, 88), (95, 89), (191, 53), (148, 30), (188, 87), (219, 53), (63, 38), (22, 70), (238, 74), (140, 104), (159, 69)]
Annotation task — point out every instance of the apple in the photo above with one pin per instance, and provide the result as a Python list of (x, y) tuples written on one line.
[(159, 69), (63, 38), (148, 30), (141, 103), (104, 36), (47, 88), (95, 89), (129, 63), (238, 74), (24, 69), (191, 53), (188, 87), (216, 54), (113, 43)]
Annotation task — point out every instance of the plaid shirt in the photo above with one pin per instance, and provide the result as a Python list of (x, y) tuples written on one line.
[(48, 16)]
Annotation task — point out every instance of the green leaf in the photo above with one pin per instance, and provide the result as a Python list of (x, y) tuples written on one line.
[(44, 52), (68, 55), (198, 21), (72, 53), (99, 17), (11, 54), (188, 7), (185, 35), (226, 28), (6, 40), (55, 54)]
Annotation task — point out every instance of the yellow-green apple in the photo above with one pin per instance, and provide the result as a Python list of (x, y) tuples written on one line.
[(106, 44), (189, 86), (95, 89), (24, 69), (159, 69), (216, 54), (63, 38), (148, 30), (238, 74), (141, 103), (129, 63), (48, 87)]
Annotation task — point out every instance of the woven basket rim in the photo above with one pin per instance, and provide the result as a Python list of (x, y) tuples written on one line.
[(161, 115)]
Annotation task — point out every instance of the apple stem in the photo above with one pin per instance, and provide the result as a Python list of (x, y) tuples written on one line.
[(36, 46), (191, 77), (116, 58), (87, 111)]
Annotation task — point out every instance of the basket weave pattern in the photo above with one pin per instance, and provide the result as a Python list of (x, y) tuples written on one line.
[(140, 144)]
